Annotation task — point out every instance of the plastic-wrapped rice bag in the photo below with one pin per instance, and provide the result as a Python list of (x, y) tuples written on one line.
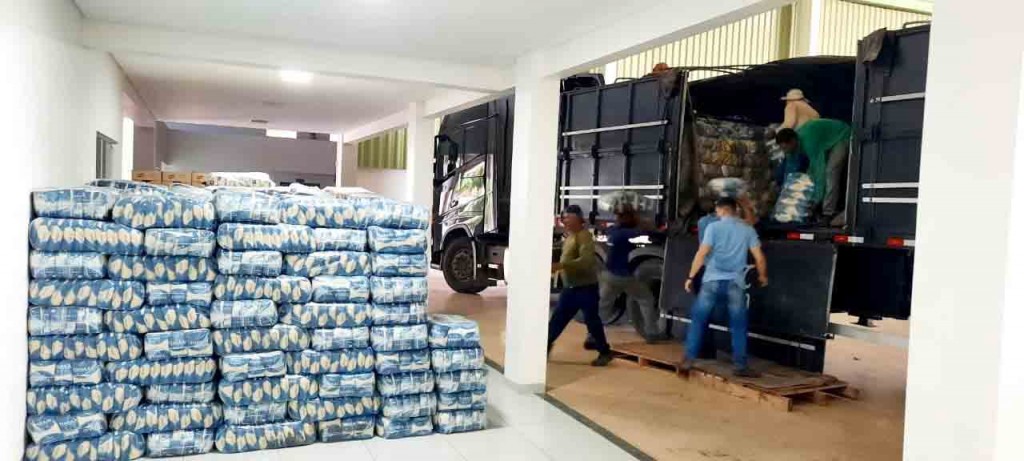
[(109, 347), (192, 191), (401, 241), (796, 200), (161, 268), (325, 409), (104, 294), (128, 185), (461, 381), (177, 344), (350, 428), (112, 446), (235, 179), (173, 371), (265, 390), (195, 293), (44, 265), (285, 238), (74, 202), (165, 417), (405, 383), (398, 428), (159, 318), (240, 439), (66, 320), (243, 314), (83, 236), (453, 331), (327, 263), (462, 400), (264, 413), (339, 239), (320, 212), (58, 428), (103, 397), (180, 242), (391, 290), (327, 339), (181, 393), (400, 265), (727, 187), (389, 363), (341, 289), (383, 212), (321, 362), (276, 338), (64, 372), (399, 314), (398, 337), (145, 211), (281, 289), (250, 263), (235, 206), (456, 359), (180, 443), (450, 422), (240, 367), (325, 315), (408, 406), (333, 386)]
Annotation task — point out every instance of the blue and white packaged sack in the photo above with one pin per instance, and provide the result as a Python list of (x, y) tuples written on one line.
[(243, 314), (408, 406), (179, 443), (74, 202), (453, 331), (383, 212), (64, 372), (727, 187), (285, 238), (280, 289), (84, 236), (138, 187), (328, 339), (326, 409), (341, 289), (399, 314), (276, 338), (173, 371), (256, 391), (450, 422), (264, 413), (389, 363), (67, 320), (398, 337), (178, 344), (195, 293), (240, 367), (234, 206), (180, 242), (461, 381), (469, 400), (161, 268), (456, 359), (405, 383), (104, 294), (240, 439), (187, 190), (350, 428), (166, 417), (325, 315), (173, 210), (181, 393), (392, 290), (401, 241), (113, 446), (334, 386), (320, 212), (321, 362), (44, 265), (250, 263), (795, 200), (400, 265), (327, 263), (103, 397), (109, 347), (58, 428), (339, 239), (399, 428), (159, 318), (236, 179)]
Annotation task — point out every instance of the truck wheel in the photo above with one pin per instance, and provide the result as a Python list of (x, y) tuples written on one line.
[(649, 272), (457, 265)]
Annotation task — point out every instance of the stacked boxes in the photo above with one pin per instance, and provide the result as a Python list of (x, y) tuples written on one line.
[(458, 363)]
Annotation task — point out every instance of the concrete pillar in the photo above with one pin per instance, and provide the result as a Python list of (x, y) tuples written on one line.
[(348, 162), (965, 383), (419, 156), (534, 147)]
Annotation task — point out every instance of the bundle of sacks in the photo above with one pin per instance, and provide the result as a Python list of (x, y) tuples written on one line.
[(730, 149), (458, 363)]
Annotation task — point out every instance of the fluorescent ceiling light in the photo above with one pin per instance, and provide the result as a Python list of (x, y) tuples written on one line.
[(295, 76), (282, 134)]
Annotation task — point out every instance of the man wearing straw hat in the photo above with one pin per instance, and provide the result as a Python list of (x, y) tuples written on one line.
[(798, 110)]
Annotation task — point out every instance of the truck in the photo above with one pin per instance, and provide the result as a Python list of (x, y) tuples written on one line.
[(664, 137)]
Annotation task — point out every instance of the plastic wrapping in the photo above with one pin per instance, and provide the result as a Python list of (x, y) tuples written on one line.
[(159, 318), (340, 289), (333, 386), (326, 409), (339, 239), (398, 428), (240, 439), (727, 187), (194, 293), (243, 314), (400, 265), (349, 428), (64, 372), (442, 360), (281, 289), (328, 339), (391, 290), (192, 370), (233, 179), (461, 381), (161, 268), (258, 237), (165, 417), (108, 347), (74, 202), (192, 191), (610, 202), (321, 212), (58, 428), (128, 185), (401, 241), (44, 265), (83, 236), (264, 413), (181, 393), (276, 338), (320, 362), (405, 383), (327, 263), (450, 422), (399, 314), (250, 263), (174, 210), (389, 363), (67, 320), (178, 344), (103, 397), (266, 390), (235, 206), (462, 400), (104, 294), (325, 315), (399, 337), (408, 406), (240, 367), (453, 331), (796, 200), (180, 242), (113, 446), (179, 443), (383, 212)]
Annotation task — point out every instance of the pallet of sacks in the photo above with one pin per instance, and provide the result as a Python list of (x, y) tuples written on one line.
[(458, 363)]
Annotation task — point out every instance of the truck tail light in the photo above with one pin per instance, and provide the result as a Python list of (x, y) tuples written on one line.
[(799, 236), (899, 242), (847, 239)]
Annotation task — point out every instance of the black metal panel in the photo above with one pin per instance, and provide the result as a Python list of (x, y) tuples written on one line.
[(874, 282)]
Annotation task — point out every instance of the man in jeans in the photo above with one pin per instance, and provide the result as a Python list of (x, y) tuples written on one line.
[(723, 250), (619, 278)]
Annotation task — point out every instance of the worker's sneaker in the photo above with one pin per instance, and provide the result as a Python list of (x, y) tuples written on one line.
[(686, 365), (589, 344), (602, 360), (746, 373)]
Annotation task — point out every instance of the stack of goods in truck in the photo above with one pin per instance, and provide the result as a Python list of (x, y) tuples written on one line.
[(458, 363), (731, 149)]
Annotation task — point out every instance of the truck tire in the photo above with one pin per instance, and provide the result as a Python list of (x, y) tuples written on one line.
[(457, 266), (649, 272)]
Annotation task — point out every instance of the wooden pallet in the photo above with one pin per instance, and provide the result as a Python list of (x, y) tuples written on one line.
[(779, 387)]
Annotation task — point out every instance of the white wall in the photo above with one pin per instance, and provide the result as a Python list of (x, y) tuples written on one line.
[(388, 183)]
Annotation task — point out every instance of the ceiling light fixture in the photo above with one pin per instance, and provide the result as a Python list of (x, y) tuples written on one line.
[(295, 76), (271, 133)]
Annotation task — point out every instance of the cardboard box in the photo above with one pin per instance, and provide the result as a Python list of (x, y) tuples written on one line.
[(199, 179), (150, 176), (177, 177)]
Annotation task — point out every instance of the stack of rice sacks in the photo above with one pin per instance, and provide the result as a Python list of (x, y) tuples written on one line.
[(251, 344), (458, 363), (69, 397), (179, 416), (731, 149)]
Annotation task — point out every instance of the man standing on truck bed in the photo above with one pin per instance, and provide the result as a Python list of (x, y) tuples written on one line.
[(618, 277), (826, 143)]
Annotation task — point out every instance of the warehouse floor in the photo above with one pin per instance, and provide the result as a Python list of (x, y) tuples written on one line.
[(671, 419)]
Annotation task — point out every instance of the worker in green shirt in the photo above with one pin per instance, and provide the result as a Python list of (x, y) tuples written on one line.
[(826, 143)]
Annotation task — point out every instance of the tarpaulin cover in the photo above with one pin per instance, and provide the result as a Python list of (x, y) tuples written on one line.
[(66, 320), (109, 347), (178, 344), (461, 381), (181, 393), (405, 383), (243, 314), (321, 212), (276, 338), (389, 363), (339, 239), (341, 289), (320, 362), (259, 237), (165, 417), (400, 265), (58, 428), (402, 241), (103, 397), (84, 236), (327, 263), (453, 331), (264, 413), (280, 289), (408, 406), (399, 314), (264, 390), (390, 290), (349, 428), (240, 367), (179, 443), (113, 446), (326, 409), (462, 400), (180, 242), (399, 337), (161, 268), (450, 422), (384, 212), (333, 386), (74, 202), (44, 265), (64, 372), (147, 372), (325, 315), (250, 263), (194, 293), (159, 318), (145, 211), (456, 359), (398, 428), (235, 206), (796, 199), (104, 294), (240, 439)]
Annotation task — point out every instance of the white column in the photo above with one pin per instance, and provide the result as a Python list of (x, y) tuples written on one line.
[(127, 149), (965, 383), (419, 163), (534, 147)]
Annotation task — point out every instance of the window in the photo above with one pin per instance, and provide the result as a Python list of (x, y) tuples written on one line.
[(384, 151), (105, 152)]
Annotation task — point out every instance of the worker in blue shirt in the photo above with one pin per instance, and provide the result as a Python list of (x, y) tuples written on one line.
[(723, 250), (618, 278)]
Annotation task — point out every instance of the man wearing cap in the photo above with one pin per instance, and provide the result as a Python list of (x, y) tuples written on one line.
[(798, 110)]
